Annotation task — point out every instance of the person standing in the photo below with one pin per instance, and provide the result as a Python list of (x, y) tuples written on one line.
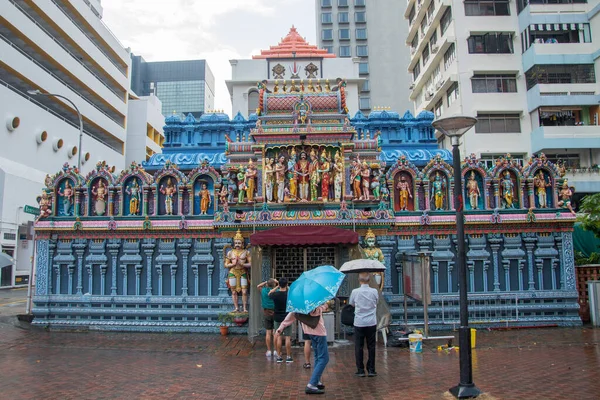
[(364, 299), (268, 312), (318, 338), (279, 296)]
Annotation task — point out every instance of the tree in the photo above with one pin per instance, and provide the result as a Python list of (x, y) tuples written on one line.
[(590, 217)]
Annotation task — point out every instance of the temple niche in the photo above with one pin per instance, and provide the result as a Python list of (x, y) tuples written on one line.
[(133, 197), (167, 197)]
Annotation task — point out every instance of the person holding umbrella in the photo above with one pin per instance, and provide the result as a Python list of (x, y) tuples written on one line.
[(364, 299), (307, 300)]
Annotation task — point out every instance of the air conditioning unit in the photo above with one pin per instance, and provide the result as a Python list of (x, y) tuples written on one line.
[(411, 87), (434, 48)]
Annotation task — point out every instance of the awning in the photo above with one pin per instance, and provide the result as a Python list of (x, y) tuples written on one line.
[(5, 260), (303, 236)]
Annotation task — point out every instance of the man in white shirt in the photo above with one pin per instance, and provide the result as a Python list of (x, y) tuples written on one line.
[(364, 299)]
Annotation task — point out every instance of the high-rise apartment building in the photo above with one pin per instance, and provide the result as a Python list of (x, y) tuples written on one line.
[(526, 69), (372, 32), (183, 87)]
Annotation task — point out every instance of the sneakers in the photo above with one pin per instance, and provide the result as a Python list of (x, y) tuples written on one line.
[(269, 353), (360, 374), (279, 360), (289, 360), (275, 354), (310, 390), (372, 374), (320, 386)]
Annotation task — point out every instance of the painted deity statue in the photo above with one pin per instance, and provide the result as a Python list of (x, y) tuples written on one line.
[(251, 173), (565, 195), (134, 200), (100, 192), (437, 192), (338, 169), (374, 253), (241, 177), (313, 172), (231, 187), (355, 178), (205, 199), (291, 175), (473, 191), (507, 191), (541, 184), (302, 168), (44, 205), (365, 174), (269, 178), (375, 184), (324, 171), (238, 261), (280, 179), (67, 195), (404, 193), (169, 192)]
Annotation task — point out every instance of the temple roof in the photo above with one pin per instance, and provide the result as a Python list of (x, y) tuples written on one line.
[(293, 42)]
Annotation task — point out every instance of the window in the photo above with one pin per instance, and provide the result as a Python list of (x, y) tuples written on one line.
[(561, 73), (328, 48), (344, 34), (498, 123), (491, 43), (445, 20), (325, 3), (521, 4), (359, 3), (362, 51), (452, 94), (364, 103), (366, 86), (252, 101), (560, 116), (327, 34), (416, 71), (483, 83), (486, 7), (559, 33), (345, 51), (343, 17), (415, 42), (449, 56), (411, 15), (363, 68), (361, 33), (433, 39), (568, 160), (438, 109), (326, 18), (360, 16), (425, 55), (489, 160), (342, 3)]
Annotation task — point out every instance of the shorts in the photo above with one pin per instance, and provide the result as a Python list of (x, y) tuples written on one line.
[(286, 331), (268, 322), (305, 336)]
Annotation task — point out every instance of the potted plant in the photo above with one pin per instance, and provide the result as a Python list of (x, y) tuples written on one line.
[(225, 319), (239, 318)]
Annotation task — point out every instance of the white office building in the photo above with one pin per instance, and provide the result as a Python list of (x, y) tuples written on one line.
[(371, 31), (145, 122), (526, 69), (60, 47)]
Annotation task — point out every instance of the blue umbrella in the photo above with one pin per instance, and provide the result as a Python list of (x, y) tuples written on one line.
[(313, 288)]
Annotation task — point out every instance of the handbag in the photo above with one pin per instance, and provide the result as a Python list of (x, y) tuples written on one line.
[(268, 312), (347, 316), (308, 320)]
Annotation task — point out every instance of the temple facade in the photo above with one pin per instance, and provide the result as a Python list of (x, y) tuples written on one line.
[(169, 244)]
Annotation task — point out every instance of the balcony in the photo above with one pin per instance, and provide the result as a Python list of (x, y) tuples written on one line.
[(559, 53), (416, 24), (433, 22), (565, 137), (562, 94), (434, 59)]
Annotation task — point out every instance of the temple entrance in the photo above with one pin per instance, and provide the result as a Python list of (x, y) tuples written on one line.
[(290, 262)]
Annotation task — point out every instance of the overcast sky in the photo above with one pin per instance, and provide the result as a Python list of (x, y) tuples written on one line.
[(215, 30)]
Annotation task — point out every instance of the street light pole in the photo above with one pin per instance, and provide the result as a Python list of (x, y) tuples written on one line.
[(455, 127), (39, 93)]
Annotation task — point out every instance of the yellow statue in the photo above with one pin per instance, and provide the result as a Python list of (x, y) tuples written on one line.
[(374, 253), (204, 199), (238, 262), (250, 181)]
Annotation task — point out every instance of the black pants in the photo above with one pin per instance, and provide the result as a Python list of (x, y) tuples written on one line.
[(360, 334)]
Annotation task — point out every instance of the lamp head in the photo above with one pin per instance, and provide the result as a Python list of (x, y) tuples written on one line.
[(454, 127)]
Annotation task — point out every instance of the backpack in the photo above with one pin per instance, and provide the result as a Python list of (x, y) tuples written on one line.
[(312, 321), (348, 315)]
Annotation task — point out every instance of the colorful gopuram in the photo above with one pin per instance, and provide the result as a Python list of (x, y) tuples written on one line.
[(169, 244)]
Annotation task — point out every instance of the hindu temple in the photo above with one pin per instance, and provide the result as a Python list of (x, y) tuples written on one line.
[(296, 179)]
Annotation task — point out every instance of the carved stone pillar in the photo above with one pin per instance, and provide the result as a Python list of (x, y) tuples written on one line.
[(180, 200), (203, 256), (220, 243), (111, 202), (76, 204), (190, 189), (71, 270), (145, 202), (184, 248), (113, 248), (148, 249), (561, 259), (387, 244), (90, 270), (495, 240), (568, 267), (43, 278), (103, 268), (125, 283), (173, 276), (398, 264), (138, 276), (530, 240), (79, 246)]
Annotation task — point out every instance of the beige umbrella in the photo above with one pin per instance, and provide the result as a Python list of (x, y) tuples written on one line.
[(362, 265)]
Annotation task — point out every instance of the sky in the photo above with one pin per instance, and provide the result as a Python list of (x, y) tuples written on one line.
[(214, 30)]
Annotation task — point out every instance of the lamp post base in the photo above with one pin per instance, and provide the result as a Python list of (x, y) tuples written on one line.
[(461, 391)]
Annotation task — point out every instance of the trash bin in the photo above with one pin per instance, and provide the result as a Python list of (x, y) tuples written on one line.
[(416, 342), (594, 301)]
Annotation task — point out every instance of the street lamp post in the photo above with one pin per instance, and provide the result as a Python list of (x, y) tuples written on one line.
[(36, 92), (454, 128)]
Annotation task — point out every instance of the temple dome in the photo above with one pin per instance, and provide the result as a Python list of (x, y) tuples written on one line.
[(294, 45)]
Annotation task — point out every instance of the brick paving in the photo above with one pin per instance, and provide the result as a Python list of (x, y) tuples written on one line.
[(519, 364)]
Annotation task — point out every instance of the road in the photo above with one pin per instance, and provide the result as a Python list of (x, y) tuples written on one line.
[(12, 301)]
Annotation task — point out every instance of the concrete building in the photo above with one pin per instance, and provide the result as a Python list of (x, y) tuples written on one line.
[(182, 86), (372, 32), (145, 122), (525, 69)]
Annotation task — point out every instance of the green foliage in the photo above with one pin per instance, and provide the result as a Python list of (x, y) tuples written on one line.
[(581, 259), (590, 213), (225, 318)]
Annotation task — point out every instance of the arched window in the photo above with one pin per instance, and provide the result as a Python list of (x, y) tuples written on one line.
[(252, 101)]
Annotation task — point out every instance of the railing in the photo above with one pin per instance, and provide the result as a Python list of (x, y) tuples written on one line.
[(482, 309)]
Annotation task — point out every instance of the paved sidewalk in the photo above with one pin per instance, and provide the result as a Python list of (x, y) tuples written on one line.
[(519, 364)]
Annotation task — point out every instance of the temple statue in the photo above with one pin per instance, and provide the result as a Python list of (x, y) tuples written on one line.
[(280, 179), (365, 175), (302, 167), (438, 192), (205, 199), (100, 192), (134, 200), (269, 178), (313, 172), (338, 170), (355, 178), (374, 253), (291, 175), (541, 184), (324, 171), (237, 260), (404, 193), (565, 197), (507, 191), (169, 193), (67, 199), (44, 205), (231, 187), (241, 177), (473, 191), (251, 181), (375, 184)]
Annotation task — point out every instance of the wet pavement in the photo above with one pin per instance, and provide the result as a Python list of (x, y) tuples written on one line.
[(552, 363)]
